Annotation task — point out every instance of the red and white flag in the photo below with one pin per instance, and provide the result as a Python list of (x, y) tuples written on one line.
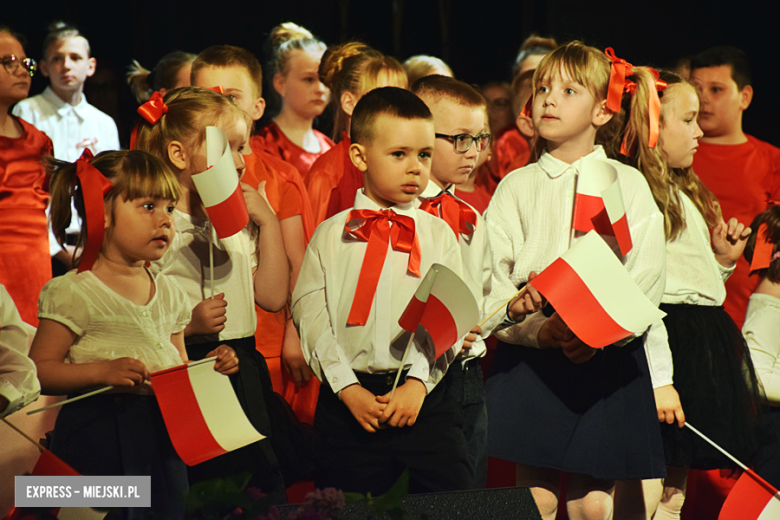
[(594, 294), (444, 306), (598, 203), (201, 412), (219, 188), (751, 498)]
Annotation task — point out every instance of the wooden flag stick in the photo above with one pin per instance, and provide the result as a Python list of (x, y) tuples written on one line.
[(78, 398), (20, 432), (503, 305), (727, 454), (403, 362)]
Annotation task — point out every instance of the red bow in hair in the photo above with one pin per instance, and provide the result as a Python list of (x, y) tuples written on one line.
[(618, 71), (94, 187), (218, 89), (152, 111), (762, 251), (456, 213), (374, 227)]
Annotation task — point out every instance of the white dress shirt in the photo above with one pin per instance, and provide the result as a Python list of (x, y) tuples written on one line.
[(18, 377), (325, 289), (693, 277), (529, 224), (762, 333), (477, 258)]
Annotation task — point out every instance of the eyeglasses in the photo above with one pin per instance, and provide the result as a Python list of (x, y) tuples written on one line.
[(462, 142), (12, 64)]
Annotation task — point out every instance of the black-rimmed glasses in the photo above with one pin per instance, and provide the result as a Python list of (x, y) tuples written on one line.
[(12, 64), (462, 142)]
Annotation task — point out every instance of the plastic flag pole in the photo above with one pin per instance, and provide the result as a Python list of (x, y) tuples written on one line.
[(78, 398), (20, 432), (403, 362), (727, 454)]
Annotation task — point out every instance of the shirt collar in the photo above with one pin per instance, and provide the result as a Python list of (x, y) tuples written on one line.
[(61, 107), (554, 168), (432, 190), (362, 202)]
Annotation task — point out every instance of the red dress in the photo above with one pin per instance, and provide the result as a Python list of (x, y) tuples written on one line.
[(25, 263), (746, 179), (278, 145), (287, 197), (323, 178)]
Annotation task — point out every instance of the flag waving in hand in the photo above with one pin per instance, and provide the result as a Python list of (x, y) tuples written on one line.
[(751, 498), (444, 306), (219, 188), (598, 204), (594, 294)]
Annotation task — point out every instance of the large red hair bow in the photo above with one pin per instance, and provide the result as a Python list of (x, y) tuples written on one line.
[(456, 213), (762, 251), (94, 187), (374, 227), (153, 109), (619, 70)]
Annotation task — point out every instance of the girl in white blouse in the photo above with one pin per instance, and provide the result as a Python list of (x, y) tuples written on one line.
[(705, 345), (113, 322)]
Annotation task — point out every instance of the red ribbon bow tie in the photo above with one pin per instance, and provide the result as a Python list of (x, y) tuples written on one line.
[(456, 213), (374, 227), (94, 188)]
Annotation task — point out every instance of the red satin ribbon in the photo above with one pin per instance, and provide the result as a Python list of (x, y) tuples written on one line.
[(374, 227), (618, 71), (94, 187), (456, 213), (218, 89), (762, 251), (153, 109)]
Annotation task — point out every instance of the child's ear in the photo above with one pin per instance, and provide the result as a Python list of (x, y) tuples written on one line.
[(602, 115), (745, 97), (258, 109), (348, 102), (526, 126), (177, 154), (357, 153), (279, 84), (44, 66), (92, 65)]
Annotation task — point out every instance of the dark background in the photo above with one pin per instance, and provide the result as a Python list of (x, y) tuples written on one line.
[(478, 39)]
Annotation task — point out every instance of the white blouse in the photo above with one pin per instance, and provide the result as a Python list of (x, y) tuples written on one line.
[(109, 326)]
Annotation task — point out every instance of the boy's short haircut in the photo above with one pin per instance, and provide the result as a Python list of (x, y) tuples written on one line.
[(230, 56), (392, 101), (59, 31), (19, 37), (772, 219), (741, 71), (440, 87)]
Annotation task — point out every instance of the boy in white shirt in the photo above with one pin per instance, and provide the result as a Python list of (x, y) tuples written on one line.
[(360, 270), (62, 111)]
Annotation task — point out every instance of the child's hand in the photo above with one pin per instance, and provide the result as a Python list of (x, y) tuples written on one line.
[(260, 210), (364, 407), (728, 241), (208, 317), (470, 338), (227, 360), (124, 372), (554, 333), (527, 302), (293, 360), (667, 402), (403, 409)]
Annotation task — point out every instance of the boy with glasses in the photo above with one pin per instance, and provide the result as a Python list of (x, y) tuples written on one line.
[(458, 118)]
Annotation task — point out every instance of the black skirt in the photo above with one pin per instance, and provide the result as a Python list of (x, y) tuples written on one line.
[(597, 418), (714, 376)]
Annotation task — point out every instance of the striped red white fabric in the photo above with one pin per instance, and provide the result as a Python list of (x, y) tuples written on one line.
[(201, 412), (219, 187), (444, 306), (751, 498), (594, 294), (598, 203)]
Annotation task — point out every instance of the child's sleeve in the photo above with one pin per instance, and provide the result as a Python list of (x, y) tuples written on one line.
[(61, 301), (18, 380), (659, 356), (313, 321), (762, 334)]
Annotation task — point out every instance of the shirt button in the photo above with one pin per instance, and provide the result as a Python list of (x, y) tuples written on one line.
[(335, 379), (145, 314), (160, 346)]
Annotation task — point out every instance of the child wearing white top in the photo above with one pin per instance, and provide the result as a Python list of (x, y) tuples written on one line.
[(710, 361), (350, 293), (113, 323), (584, 411)]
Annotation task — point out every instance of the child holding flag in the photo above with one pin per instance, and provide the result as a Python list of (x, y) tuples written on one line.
[(556, 404), (353, 287)]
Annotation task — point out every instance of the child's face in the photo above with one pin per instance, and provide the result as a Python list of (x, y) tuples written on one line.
[(565, 111), (301, 88), (450, 118), (138, 230), (397, 161), (13, 87), (67, 64), (722, 103), (679, 136), (237, 84)]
